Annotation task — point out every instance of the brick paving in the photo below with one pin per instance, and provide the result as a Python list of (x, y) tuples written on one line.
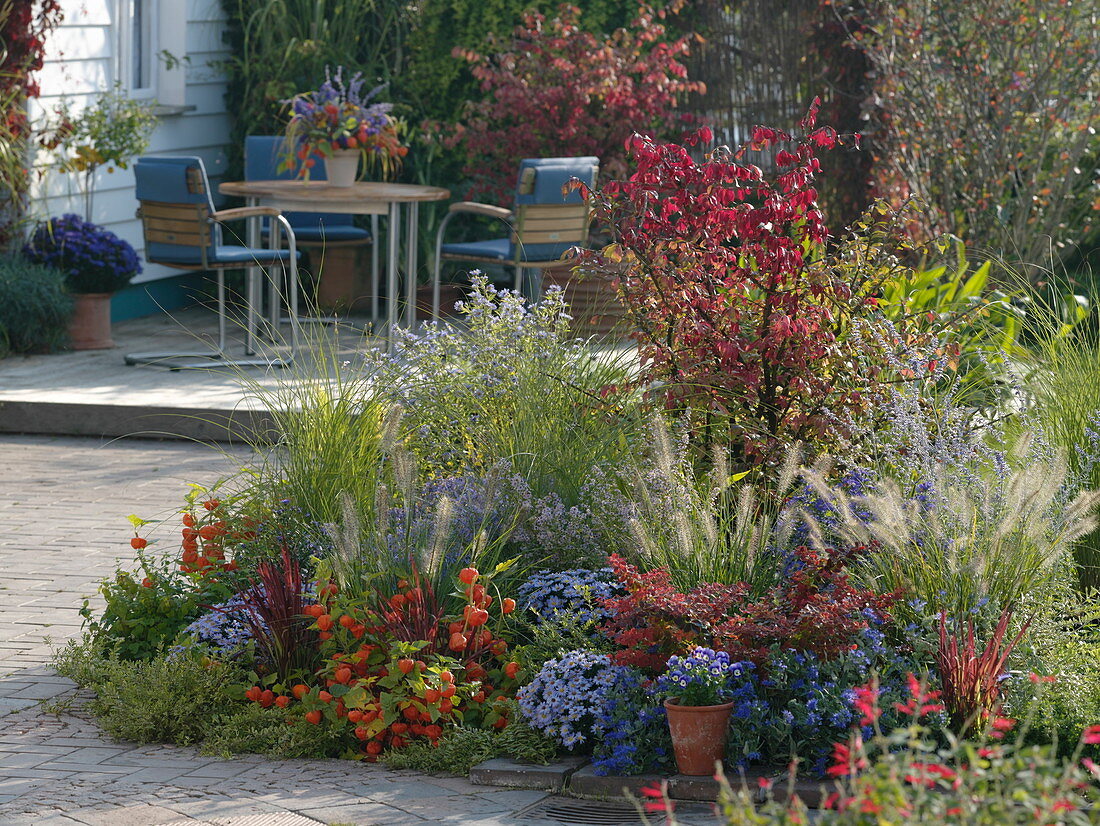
[(63, 508)]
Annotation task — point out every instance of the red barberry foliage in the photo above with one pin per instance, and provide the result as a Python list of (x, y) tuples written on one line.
[(744, 316), (560, 91), (816, 609), (654, 620)]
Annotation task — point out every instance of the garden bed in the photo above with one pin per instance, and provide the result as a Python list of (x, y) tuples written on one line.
[(501, 542)]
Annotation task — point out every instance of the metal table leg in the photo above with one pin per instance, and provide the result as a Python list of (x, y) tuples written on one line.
[(374, 275), (412, 217), (253, 232), (392, 294)]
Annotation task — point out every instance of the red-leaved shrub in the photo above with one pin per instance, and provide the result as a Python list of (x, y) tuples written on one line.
[(560, 91), (814, 609), (746, 319)]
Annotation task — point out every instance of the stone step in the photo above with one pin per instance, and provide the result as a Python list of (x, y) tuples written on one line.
[(113, 420)]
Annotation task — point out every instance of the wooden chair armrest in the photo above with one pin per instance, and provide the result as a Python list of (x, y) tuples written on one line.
[(482, 209), (244, 212)]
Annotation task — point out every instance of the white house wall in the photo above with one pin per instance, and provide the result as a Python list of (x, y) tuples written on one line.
[(79, 64)]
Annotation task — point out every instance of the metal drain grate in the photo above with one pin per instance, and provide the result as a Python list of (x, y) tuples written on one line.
[(584, 813)]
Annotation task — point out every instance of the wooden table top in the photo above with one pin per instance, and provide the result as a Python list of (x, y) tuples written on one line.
[(321, 194)]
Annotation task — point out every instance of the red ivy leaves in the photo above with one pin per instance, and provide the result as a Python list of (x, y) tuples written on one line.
[(562, 91)]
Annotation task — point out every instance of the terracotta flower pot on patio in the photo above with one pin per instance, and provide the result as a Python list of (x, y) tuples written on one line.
[(698, 736), (448, 295), (592, 300), (90, 326)]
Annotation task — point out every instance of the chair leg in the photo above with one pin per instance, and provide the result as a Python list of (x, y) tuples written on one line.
[(221, 312), (438, 269), (374, 269), (209, 359), (295, 321)]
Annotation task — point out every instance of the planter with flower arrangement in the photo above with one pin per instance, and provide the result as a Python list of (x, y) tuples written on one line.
[(96, 263), (338, 123), (698, 707)]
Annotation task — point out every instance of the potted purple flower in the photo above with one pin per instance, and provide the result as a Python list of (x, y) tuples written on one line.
[(699, 689), (96, 264), (338, 123)]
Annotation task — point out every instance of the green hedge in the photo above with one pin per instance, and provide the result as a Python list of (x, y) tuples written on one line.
[(34, 308)]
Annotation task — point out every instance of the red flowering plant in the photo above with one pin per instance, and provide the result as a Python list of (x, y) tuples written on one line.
[(558, 90), (746, 319), (916, 773), (396, 668)]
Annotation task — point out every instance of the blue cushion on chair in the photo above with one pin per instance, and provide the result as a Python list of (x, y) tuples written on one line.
[(318, 231), (220, 254), (501, 249), (498, 249), (231, 254), (551, 174)]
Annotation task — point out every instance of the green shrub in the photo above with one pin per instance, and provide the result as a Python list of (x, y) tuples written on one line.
[(1063, 643), (160, 700), (1063, 385), (461, 749), (34, 309), (513, 388), (251, 729), (142, 617)]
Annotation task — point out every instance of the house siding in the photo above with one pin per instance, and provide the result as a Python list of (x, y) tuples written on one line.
[(79, 65)]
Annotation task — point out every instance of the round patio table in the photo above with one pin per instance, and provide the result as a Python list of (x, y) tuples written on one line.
[(364, 198)]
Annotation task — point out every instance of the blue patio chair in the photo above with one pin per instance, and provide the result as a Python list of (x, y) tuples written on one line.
[(262, 156), (543, 225), (183, 230)]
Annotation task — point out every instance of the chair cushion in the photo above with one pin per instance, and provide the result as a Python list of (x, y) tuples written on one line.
[(220, 254), (497, 249), (501, 249), (308, 229), (231, 254)]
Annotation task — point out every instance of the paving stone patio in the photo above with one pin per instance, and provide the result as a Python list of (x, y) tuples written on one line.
[(63, 508)]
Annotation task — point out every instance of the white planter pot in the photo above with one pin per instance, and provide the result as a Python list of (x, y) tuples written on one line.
[(343, 167)]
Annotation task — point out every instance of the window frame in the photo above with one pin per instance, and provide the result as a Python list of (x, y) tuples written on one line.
[(166, 20)]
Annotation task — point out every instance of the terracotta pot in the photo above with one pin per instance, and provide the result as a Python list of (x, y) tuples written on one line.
[(592, 300), (698, 736), (90, 325), (448, 295), (342, 168)]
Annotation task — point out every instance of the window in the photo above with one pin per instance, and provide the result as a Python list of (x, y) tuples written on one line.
[(145, 67), (142, 46)]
